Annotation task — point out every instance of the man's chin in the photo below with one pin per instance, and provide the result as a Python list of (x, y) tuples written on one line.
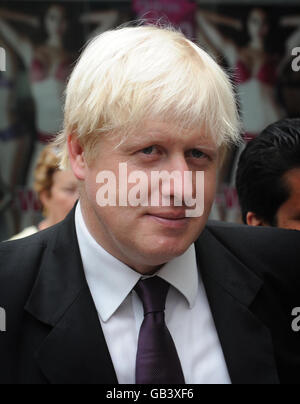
[(162, 251)]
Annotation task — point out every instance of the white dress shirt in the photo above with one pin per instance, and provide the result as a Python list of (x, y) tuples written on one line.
[(188, 315)]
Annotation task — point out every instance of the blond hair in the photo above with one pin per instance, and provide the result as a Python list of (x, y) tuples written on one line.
[(131, 74)]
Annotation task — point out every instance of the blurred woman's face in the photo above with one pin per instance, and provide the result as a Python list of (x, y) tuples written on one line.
[(258, 25), (56, 22), (62, 197)]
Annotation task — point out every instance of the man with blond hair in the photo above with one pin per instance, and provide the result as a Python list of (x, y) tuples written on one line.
[(136, 289)]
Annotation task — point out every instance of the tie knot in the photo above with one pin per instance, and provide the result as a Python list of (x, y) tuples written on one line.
[(153, 294)]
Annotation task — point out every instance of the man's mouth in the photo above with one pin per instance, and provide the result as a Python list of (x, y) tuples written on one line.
[(172, 219), (172, 215)]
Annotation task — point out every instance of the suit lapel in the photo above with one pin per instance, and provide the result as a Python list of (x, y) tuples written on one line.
[(75, 351), (231, 289)]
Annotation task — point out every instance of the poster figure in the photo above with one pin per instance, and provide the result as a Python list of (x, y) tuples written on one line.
[(180, 13), (255, 75), (255, 69), (289, 77), (48, 66)]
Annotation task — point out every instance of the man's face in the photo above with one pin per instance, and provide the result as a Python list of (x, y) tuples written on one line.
[(288, 216), (146, 237)]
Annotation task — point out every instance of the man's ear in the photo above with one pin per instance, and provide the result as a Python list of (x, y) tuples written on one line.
[(254, 220), (77, 159)]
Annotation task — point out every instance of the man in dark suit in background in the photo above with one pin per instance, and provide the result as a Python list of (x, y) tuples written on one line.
[(135, 286)]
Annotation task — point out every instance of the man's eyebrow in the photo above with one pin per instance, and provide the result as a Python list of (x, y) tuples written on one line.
[(146, 138), (205, 147), (158, 138)]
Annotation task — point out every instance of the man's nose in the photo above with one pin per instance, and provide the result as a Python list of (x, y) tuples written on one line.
[(181, 186)]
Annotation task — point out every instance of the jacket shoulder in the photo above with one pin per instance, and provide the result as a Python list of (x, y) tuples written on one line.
[(267, 251), (19, 249), (20, 261), (249, 240)]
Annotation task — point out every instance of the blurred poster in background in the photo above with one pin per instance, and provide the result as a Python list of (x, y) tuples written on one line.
[(180, 13), (257, 42)]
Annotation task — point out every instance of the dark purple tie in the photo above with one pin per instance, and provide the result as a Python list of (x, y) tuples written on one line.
[(157, 359)]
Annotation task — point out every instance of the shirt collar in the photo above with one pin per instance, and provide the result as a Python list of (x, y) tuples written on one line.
[(111, 281)]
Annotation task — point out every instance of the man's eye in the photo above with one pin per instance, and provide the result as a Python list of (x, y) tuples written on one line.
[(197, 154), (148, 150)]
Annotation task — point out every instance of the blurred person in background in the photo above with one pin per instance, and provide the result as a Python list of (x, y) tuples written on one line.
[(268, 177), (57, 191), (48, 65)]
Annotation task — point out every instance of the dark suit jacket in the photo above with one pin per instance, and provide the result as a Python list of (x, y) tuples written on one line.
[(53, 335)]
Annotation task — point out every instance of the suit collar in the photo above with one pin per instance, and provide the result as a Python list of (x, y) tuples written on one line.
[(62, 275), (114, 282), (232, 289)]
